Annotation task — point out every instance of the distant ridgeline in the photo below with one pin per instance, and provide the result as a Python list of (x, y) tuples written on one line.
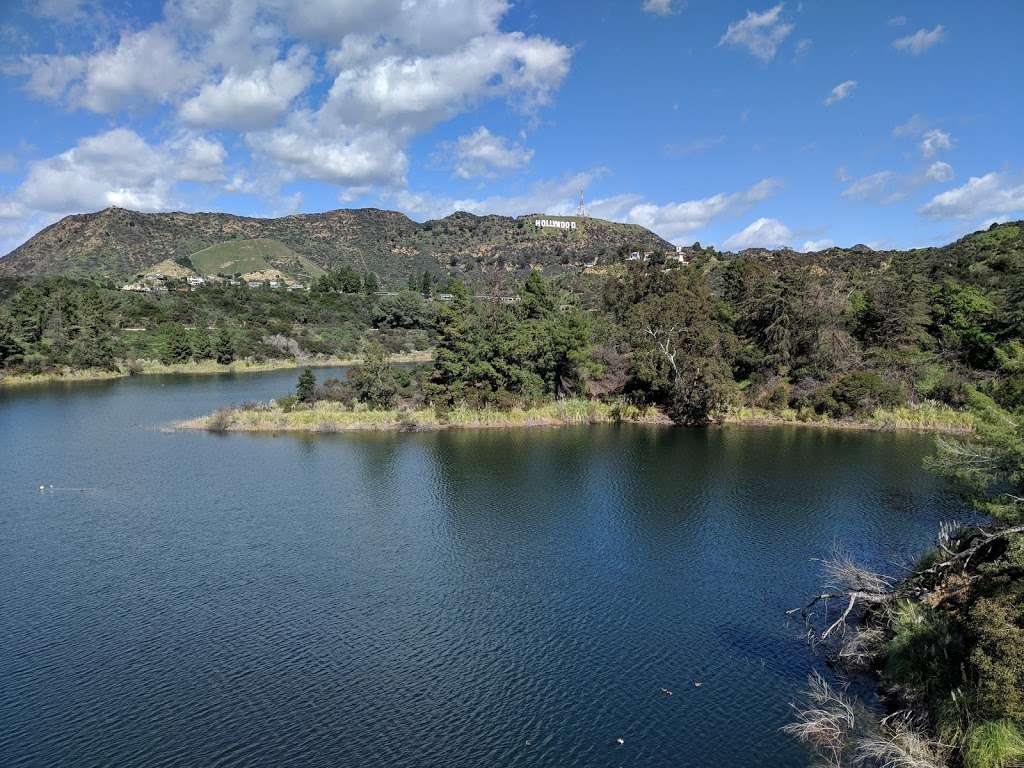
[(121, 245)]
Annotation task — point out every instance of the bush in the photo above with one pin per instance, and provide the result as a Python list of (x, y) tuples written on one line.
[(950, 389), (287, 403), (857, 393), (219, 421), (336, 391), (926, 653)]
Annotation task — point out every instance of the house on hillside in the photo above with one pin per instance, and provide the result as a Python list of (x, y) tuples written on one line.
[(137, 288)]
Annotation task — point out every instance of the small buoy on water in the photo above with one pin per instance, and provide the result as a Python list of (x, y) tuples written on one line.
[(620, 741), (697, 683), (42, 487)]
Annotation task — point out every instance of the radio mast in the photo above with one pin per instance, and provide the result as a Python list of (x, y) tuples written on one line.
[(581, 211)]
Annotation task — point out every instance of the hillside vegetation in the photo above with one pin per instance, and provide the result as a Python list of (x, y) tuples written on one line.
[(115, 244)]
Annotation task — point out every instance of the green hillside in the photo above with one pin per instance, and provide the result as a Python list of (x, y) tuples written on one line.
[(237, 257)]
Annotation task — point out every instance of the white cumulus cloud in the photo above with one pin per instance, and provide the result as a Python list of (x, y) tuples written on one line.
[(483, 154), (245, 101), (816, 245), (920, 41), (982, 197), (842, 91), (145, 66), (935, 141), (759, 33), (939, 171), (762, 233), (662, 7), (119, 168)]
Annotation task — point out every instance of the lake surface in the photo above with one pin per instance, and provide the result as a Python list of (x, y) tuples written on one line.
[(489, 598)]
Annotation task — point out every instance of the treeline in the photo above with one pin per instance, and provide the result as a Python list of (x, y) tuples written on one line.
[(56, 322), (787, 335)]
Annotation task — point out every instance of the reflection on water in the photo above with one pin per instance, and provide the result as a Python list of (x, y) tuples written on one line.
[(513, 598)]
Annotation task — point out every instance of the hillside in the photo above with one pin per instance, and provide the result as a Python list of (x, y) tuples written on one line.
[(117, 243), (239, 257)]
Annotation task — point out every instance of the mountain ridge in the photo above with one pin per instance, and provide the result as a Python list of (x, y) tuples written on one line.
[(116, 243)]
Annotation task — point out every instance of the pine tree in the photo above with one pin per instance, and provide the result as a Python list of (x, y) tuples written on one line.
[(305, 390), (94, 346), (175, 344), (224, 348), (9, 344)]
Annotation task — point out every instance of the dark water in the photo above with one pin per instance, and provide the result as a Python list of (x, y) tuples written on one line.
[(512, 598)]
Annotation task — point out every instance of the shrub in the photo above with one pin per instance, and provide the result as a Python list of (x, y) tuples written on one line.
[(219, 421), (859, 392), (336, 391), (926, 652), (950, 389), (287, 403)]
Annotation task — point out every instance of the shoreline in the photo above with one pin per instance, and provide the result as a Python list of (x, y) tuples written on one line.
[(329, 418), (152, 368)]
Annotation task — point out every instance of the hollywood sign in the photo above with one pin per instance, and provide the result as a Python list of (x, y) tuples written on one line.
[(555, 223)]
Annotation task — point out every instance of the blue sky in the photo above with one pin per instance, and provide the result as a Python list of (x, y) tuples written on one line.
[(733, 123)]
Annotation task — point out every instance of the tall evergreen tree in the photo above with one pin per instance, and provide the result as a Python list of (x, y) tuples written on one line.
[(224, 347), (10, 346), (305, 389)]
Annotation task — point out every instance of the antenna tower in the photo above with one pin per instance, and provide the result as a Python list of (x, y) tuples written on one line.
[(582, 210)]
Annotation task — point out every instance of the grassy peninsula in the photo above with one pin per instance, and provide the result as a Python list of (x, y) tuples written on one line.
[(331, 416)]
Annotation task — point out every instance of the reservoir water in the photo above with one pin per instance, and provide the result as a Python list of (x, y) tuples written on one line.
[(458, 599)]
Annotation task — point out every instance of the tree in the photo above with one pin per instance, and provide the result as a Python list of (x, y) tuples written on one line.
[(370, 283), (961, 317), (988, 463), (890, 313), (537, 298), (224, 347), (463, 358), (305, 389), (374, 381), (427, 284), (174, 343), (29, 311), (406, 310), (681, 351), (10, 347), (93, 347)]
